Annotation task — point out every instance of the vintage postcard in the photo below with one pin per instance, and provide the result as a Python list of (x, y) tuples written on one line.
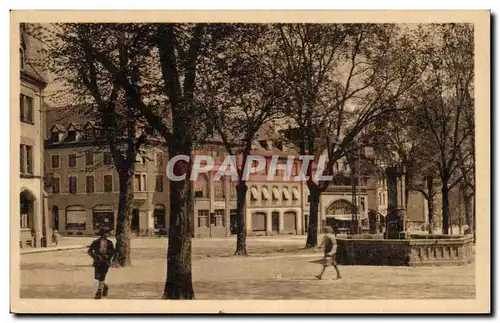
[(250, 162)]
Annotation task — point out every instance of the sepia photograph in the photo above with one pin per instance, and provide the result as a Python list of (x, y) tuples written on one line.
[(250, 162)]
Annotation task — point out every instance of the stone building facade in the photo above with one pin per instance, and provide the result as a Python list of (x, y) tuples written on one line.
[(34, 224), (85, 185), (84, 191)]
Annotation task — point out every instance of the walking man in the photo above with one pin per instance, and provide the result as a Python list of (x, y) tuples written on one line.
[(330, 244), (102, 251)]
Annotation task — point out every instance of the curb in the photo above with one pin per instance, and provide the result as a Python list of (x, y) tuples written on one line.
[(23, 252)]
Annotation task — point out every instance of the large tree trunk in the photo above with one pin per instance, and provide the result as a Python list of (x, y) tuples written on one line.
[(241, 243), (444, 196), (179, 276), (122, 256), (312, 231)]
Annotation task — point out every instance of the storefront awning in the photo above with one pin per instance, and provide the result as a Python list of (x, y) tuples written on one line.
[(286, 194), (255, 193), (265, 193), (276, 193)]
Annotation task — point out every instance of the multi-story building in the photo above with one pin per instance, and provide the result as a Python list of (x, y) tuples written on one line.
[(274, 205), (339, 203), (84, 190), (34, 225), (85, 184)]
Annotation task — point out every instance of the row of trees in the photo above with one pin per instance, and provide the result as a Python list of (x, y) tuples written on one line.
[(407, 92)]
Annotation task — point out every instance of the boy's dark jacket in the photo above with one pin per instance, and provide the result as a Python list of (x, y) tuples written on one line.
[(98, 258)]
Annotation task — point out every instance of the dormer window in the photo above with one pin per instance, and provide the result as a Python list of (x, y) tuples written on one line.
[(72, 135), (89, 134), (54, 136)]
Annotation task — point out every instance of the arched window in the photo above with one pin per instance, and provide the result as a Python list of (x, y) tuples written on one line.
[(339, 207), (201, 189), (27, 209)]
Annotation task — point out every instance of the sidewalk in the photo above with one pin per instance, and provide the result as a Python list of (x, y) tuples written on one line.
[(52, 248), (65, 243)]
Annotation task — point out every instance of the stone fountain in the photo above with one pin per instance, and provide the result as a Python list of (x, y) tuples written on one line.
[(398, 248)]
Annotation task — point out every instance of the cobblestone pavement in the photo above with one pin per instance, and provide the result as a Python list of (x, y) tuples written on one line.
[(278, 268)]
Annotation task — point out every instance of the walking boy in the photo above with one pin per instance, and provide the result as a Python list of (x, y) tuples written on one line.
[(330, 244), (101, 250)]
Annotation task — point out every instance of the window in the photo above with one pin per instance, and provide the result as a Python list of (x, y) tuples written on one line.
[(25, 224), (29, 109), (201, 187), (108, 158), (22, 168), (89, 158), (56, 185), (72, 184), (26, 106), (159, 183), (71, 135), (89, 184), (218, 218), (55, 161), (219, 188), (137, 183), (29, 159), (54, 136), (140, 182), (159, 159), (202, 218), (89, 134), (21, 106), (72, 160), (108, 183), (362, 203), (26, 208)]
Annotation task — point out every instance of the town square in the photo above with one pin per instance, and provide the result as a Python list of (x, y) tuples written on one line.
[(280, 160)]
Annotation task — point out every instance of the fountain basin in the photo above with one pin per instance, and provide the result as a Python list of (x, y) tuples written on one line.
[(416, 250)]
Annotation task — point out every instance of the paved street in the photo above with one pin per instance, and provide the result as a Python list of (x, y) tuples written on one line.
[(277, 268)]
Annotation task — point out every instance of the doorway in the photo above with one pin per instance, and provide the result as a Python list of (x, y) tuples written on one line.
[(55, 218), (275, 222), (134, 225)]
